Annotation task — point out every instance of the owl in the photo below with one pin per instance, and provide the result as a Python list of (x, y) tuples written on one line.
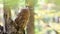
[(22, 19)]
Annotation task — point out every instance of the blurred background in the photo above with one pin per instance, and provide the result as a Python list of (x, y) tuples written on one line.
[(45, 15)]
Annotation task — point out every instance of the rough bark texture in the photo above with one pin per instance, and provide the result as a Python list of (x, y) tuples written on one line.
[(30, 26), (7, 17)]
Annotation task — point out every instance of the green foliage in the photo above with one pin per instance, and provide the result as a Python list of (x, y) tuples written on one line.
[(57, 2), (31, 3), (22, 3), (11, 3), (46, 1), (1, 0)]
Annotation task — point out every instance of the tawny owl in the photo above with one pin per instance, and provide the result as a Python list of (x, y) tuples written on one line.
[(22, 18)]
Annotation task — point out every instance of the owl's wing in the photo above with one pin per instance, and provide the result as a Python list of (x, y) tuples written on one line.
[(22, 18)]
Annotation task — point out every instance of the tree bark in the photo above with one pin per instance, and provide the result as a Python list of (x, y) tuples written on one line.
[(9, 27), (7, 16), (30, 26)]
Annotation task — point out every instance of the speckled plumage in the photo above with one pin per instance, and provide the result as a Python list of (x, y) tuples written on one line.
[(22, 19)]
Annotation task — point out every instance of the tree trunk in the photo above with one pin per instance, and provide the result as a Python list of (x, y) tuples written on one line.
[(9, 27), (30, 26), (7, 16)]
